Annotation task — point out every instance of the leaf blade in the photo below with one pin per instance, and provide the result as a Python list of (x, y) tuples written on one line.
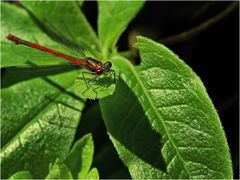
[(93, 174), (20, 55), (21, 175), (132, 135), (113, 19), (59, 171), (179, 109), (79, 160), (81, 31), (43, 120)]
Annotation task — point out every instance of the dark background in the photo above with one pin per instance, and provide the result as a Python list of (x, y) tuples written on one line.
[(213, 54)]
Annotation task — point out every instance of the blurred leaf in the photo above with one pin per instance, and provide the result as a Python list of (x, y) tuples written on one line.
[(59, 171), (93, 174), (182, 120), (68, 13), (21, 175), (80, 3), (79, 160), (15, 23), (113, 18)]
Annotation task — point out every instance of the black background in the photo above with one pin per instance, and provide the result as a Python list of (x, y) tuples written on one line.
[(213, 54)]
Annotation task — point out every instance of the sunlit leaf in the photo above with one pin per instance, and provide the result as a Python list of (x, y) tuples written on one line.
[(113, 18), (79, 160), (59, 170), (176, 108)]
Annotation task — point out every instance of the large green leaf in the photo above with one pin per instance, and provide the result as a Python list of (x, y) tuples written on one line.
[(137, 144), (15, 55), (178, 110), (38, 124), (39, 113), (113, 18)]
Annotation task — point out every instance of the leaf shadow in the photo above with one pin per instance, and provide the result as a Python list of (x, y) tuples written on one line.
[(103, 81), (128, 124), (13, 75)]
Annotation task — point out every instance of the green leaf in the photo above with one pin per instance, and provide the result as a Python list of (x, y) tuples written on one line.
[(15, 23), (113, 19), (70, 15), (177, 108), (13, 75), (34, 125), (79, 160), (93, 174), (136, 143), (103, 86), (38, 123), (21, 175), (15, 55), (59, 171), (80, 3)]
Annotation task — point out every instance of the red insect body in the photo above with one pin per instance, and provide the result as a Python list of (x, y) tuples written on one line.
[(45, 49), (91, 64)]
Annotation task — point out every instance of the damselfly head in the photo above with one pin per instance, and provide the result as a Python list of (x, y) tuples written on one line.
[(104, 68), (108, 64)]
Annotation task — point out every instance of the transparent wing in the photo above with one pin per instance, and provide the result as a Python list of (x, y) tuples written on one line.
[(62, 33)]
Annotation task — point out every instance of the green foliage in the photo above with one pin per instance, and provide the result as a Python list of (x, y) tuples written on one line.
[(176, 111), (93, 174), (160, 119), (59, 171), (137, 144), (80, 158), (73, 18), (113, 19), (21, 175), (77, 164), (15, 23)]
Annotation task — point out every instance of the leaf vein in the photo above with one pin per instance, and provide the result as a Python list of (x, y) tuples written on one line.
[(190, 127)]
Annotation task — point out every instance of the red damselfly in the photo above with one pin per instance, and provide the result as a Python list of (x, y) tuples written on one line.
[(94, 67)]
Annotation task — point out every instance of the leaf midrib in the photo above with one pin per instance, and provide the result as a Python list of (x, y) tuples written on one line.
[(149, 99)]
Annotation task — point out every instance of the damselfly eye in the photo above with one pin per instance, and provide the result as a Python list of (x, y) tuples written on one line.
[(108, 64), (99, 71)]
